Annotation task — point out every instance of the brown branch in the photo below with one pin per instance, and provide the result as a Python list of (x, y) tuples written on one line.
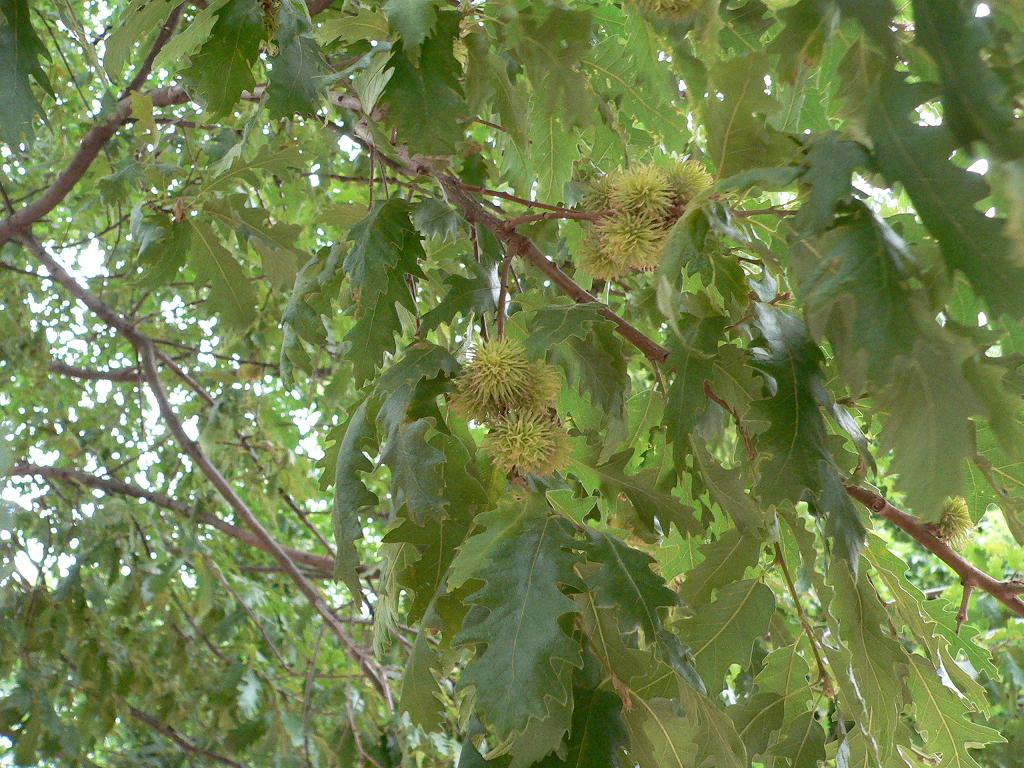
[(89, 374), (374, 672), (513, 198), (965, 601), (149, 354), (161, 40), (1006, 592), (747, 442), (521, 245), (553, 215), (185, 744), (92, 144), (320, 565), (772, 211)]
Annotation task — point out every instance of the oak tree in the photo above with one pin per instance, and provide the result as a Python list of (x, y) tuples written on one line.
[(504, 383)]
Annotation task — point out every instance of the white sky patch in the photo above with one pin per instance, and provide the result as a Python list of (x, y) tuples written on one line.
[(979, 167)]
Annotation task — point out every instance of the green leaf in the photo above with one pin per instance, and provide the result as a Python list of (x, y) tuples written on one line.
[(420, 692), (597, 734), (975, 106), (650, 503), (625, 72), (692, 354), (351, 495), (724, 631), (380, 242), (785, 672), (515, 622), (189, 38), (854, 280), (163, 246), (626, 583), (21, 57), (297, 82), (928, 428), (945, 196), (793, 453), (474, 295), (232, 296), (658, 736), (553, 149), (808, 26), (874, 674), (725, 560), (718, 742), (365, 24), (803, 743), (738, 136), (757, 719), (726, 488), (278, 161), (426, 103), (222, 68), (828, 171), (413, 20), (138, 20), (437, 540), (551, 41), (415, 479), (943, 718)]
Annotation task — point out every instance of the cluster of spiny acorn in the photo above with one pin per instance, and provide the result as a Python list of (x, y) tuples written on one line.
[(514, 396), (637, 207)]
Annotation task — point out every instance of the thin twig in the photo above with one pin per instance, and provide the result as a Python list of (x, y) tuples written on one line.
[(186, 745), (823, 675), (744, 434)]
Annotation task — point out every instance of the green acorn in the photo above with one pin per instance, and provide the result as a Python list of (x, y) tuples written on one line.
[(670, 9), (499, 377), (632, 240), (955, 523), (688, 179), (525, 443), (545, 384), (598, 262), (644, 191), (598, 194), (496, 378)]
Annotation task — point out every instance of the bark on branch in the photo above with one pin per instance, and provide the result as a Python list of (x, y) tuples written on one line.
[(319, 564), (1006, 592), (149, 355)]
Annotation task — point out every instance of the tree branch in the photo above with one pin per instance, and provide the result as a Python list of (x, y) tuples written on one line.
[(521, 245), (89, 374), (148, 354), (321, 565), (1006, 592), (374, 672), (92, 144), (186, 745)]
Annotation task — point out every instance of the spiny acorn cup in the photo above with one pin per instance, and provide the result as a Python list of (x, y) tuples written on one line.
[(688, 179), (644, 191), (955, 523), (526, 443), (499, 377), (632, 240)]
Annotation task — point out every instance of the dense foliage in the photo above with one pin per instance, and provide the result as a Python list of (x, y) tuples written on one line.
[(507, 383)]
